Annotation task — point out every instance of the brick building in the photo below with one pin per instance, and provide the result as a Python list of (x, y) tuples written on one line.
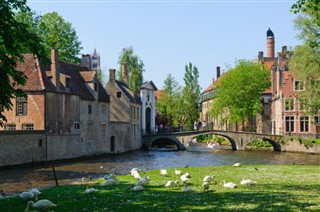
[(67, 103)]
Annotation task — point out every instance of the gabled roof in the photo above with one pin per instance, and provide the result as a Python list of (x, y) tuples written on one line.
[(132, 96), (148, 85)]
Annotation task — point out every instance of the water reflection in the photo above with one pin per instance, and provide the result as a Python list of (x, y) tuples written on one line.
[(14, 181)]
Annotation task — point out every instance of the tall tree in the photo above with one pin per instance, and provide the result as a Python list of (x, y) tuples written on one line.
[(135, 68), (309, 21), (239, 91), (15, 38), (55, 33), (167, 106), (191, 96)]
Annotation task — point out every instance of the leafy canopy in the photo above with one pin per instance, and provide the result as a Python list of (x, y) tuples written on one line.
[(238, 96), (15, 39)]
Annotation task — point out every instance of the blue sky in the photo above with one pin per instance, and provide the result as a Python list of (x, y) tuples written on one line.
[(166, 34)]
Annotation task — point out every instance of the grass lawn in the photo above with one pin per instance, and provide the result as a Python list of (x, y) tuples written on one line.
[(277, 188)]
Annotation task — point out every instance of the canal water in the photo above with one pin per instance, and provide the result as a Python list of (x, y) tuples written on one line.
[(13, 181)]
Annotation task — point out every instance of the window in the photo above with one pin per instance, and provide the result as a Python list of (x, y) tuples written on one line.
[(21, 106), (289, 123), (68, 83), (298, 85), (89, 109), (304, 123), (95, 86), (27, 126), (10, 127), (138, 115), (119, 94), (104, 109), (289, 104), (76, 125), (317, 120)]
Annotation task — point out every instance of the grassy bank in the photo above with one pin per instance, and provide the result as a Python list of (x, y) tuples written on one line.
[(277, 188)]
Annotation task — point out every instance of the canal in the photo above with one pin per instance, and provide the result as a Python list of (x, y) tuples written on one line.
[(16, 180)]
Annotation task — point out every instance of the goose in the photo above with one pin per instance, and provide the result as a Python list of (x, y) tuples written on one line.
[(138, 188), (163, 172), (187, 189), (90, 190), (205, 186), (208, 178), (28, 195), (172, 183), (41, 204), (109, 182), (229, 184), (178, 172), (237, 164), (144, 181), (247, 182)]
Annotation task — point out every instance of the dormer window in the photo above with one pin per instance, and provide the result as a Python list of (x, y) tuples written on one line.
[(95, 86), (68, 83)]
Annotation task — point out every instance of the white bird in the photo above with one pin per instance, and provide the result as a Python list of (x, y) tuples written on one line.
[(133, 170), (178, 172), (247, 182), (237, 164), (187, 189), (28, 195), (138, 188), (184, 179), (229, 184), (208, 178), (172, 183), (205, 186), (187, 175), (110, 182), (144, 181), (90, 190), (41, 204), (136, 175), (163, 172), (35, 191)]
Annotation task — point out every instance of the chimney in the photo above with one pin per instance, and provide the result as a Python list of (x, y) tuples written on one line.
[(112, 77), (260, 56), (270, 43), (124, 72), (55, 68), (218, 72), (86, 61), (284, 49)]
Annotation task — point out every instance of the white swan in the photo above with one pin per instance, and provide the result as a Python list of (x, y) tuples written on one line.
[(136, 175), (208, 178), (178, 172), (205, 186), (184, 179), (28, 195), (172, 183), (35, 191), (188, 189), (109, 182), (41, 204), (90, 190), (138, 188), (237, 164), (133, 170), (163, 172), (247, 182), (229, 184), (144, 181)]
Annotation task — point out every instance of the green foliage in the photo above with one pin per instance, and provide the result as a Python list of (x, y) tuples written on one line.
[(55, 33), (277, 188), (15, 38), (238, 96), (309, 22), (259, 143), (135, 68), (167, 105)]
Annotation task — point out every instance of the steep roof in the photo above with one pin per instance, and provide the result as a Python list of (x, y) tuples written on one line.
[(148, 85), (132, 96)]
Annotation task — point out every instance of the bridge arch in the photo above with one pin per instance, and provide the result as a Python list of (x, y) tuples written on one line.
[(276, 146), (232, 141), (166, 141)]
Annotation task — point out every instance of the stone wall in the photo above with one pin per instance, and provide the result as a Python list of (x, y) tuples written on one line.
[(296, 146), (22, 147)]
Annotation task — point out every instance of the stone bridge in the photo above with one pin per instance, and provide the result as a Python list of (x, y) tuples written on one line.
[(238, 140)]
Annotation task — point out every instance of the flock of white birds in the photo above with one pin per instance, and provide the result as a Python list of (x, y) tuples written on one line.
[(111, 180)]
